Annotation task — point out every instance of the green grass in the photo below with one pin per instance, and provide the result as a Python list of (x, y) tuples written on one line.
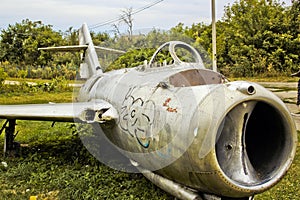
[(56, 91), (55, 165), (22, 80), (267, 79), (36, 98)]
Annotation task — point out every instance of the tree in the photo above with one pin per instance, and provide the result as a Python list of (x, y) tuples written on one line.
[(294, 14), (99, 38), (257, 38), (20, 42), (3, 76), (71, 36), (128, 20)]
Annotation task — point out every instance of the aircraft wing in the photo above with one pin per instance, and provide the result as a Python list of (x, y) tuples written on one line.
[(76, 48), (88, 112)]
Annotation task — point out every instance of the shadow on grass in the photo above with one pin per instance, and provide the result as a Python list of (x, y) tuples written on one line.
[(64, 169)]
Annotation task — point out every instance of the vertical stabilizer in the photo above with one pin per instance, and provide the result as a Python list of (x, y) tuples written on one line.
[(90, 65)]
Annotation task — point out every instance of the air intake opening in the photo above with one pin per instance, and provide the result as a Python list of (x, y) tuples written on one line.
[(265, 139), (254, 143)]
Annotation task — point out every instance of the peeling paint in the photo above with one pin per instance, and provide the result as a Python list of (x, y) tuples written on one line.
[(174, 110), (169, 109)]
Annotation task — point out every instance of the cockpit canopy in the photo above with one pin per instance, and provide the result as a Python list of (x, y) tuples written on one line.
[(194, 77), (176, 53)]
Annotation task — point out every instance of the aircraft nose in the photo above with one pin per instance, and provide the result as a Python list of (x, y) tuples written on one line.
[(254, 143)]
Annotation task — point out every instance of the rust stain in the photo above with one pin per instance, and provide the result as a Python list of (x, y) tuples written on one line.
[(166, 104), (169, 109)]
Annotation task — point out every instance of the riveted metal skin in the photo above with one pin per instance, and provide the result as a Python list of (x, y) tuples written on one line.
[(232, 139)]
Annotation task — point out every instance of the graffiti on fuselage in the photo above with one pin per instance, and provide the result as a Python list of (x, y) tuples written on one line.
[(137, 116)]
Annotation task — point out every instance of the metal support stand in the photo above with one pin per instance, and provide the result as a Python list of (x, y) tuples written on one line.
[(11, 148)]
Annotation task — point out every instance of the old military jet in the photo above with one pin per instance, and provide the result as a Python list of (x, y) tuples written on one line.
[(186, 128)]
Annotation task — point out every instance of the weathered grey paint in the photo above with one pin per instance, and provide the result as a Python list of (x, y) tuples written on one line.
[(175, 131)]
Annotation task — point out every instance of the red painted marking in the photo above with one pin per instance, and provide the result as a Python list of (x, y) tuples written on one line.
[(169, 109), (172, 110), (167, 102)]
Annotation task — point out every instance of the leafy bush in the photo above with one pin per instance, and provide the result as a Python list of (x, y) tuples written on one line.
[(253, 38), (55, 86), (132, 58), (3, 76)]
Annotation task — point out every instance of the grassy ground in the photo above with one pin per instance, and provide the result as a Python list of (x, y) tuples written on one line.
[(22, 80), (267, 79), (55, 165), (36, 98)]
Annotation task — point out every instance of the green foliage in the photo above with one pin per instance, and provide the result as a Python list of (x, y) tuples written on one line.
[(294, 14), (99, 38), (3, 76), (67, 71), (258, 39), (132, 58), (55, 86), (20, 42), (254, 37), (142, 47), (20, 57)]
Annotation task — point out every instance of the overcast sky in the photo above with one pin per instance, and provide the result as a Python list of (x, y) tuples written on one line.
[(63, 14)]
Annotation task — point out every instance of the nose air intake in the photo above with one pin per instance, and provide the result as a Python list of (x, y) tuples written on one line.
[(255, 144)]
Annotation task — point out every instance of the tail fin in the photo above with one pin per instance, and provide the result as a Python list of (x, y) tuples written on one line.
[(91, 64)]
